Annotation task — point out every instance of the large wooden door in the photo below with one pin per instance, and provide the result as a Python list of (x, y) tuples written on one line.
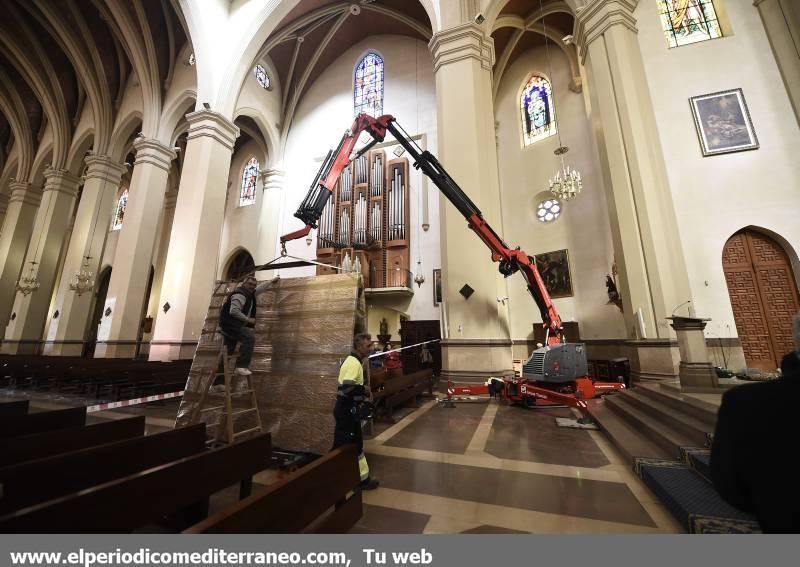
[(414, 332), (763, 296)]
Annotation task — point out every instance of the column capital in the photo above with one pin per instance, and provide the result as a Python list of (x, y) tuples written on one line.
[(213, 125), (104, 168), (61, 180), (23, 192), (465, 41), (594, 19), (272, 178), (153, 152)]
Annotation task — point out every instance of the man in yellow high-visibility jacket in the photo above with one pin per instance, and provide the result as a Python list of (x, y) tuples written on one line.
[(349, 394)]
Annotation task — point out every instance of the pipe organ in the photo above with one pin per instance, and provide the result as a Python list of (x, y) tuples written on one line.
[(368, 217)]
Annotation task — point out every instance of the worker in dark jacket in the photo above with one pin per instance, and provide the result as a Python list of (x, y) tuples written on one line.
[(753, 446), (350, 392), (237, 319)]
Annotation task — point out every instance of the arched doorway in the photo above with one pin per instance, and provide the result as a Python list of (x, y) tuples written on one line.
[(240, 265), (97, 314), (763, 293)]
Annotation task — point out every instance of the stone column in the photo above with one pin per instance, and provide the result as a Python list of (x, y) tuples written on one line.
[(24, 334), (782, 23), (478, 345), (695, 369), (196, 232), (66, 333), (17, 230), (644, 226), (269, 221), (122, 313)]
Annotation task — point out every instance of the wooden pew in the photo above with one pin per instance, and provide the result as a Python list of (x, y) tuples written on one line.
[(17, 407), (16, 425), (401, 389), (127, 503), (39, 445), (30, 482), (313, 499)]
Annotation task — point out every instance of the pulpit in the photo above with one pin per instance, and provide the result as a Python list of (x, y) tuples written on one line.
[(695, 369)]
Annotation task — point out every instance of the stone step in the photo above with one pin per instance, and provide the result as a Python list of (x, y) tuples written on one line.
[(671, 416), (630, 442), (658, 432), (693, 501), (698, 409)]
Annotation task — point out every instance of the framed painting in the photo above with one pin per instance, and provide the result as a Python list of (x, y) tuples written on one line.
[(437, 286), (555, 272), (723, 122)]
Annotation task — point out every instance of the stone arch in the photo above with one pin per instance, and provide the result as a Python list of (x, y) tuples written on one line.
[(236, 264)]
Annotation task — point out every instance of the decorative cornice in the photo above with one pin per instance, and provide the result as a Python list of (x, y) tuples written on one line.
[(153, 152), (103, 168), (598, 16), (466, 41), (213, 125), (23, 192)]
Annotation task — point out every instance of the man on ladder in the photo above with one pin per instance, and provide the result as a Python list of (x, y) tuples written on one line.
[(237, 319), (350, 397)]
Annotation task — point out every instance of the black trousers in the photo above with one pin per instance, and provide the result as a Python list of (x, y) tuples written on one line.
[(348, 426)]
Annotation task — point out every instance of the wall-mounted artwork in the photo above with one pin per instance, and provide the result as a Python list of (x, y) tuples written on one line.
[(437, 286), (554, 269), (723, 122)]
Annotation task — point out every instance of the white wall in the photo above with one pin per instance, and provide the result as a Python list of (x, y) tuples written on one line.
[(583, 228), (327, 110), (718, 195), (241, 223)]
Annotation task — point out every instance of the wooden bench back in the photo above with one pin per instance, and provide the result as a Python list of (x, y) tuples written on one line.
[(313, 498), (15, 450), (16, 425), (124, 504), (44, 479), (17, 407)]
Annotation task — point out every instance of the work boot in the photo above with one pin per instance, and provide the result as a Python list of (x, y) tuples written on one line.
[(369, 484)]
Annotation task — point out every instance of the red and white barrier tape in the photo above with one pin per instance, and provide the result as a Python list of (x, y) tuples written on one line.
[(135, 401)]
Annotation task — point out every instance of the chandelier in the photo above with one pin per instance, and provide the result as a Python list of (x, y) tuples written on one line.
[(30, 283), (82, 280), (419, 279), (567, 182)]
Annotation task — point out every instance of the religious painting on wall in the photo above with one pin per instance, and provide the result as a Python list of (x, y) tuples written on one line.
[(554, 269), (723, 122), (437, 287)]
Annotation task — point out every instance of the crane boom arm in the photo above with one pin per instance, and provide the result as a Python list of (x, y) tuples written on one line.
[(510, 260)]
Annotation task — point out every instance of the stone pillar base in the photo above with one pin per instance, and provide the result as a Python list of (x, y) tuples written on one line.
[(166, 351), (473, 361), (653, 360), (698, 375)]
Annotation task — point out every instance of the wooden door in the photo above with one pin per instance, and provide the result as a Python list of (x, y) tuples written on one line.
[(763, 296), (414, 332)]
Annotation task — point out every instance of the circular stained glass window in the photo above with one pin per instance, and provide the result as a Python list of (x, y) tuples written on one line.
[(548, 210)]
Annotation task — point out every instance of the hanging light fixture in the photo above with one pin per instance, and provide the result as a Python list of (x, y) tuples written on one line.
[(419, 279), (82, 280), (30, 283), (567, 182)]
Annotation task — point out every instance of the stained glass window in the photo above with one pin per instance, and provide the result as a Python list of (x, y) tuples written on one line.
[(368, 86), (548, 210), (538, 113), (249, 178), (119, 213), (261, 76), (688, 21)]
